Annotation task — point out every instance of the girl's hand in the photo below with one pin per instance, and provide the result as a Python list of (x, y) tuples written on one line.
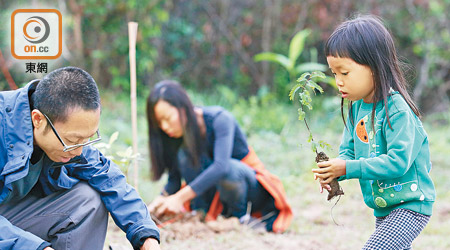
[(322, 186), (329, 170)]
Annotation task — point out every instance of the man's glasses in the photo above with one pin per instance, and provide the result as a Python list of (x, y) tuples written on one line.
[(72, 147)]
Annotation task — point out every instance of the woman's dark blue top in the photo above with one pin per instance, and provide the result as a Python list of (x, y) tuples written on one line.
[(224, 140)]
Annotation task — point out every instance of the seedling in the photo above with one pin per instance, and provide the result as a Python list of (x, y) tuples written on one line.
[(305, 84)]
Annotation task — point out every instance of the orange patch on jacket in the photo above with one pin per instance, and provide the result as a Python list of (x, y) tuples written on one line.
[(361, 131)]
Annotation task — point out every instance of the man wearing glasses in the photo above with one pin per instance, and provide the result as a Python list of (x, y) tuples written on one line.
[(55, 188)]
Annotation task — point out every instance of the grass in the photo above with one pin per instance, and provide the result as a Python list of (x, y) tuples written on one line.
[(287, 154)]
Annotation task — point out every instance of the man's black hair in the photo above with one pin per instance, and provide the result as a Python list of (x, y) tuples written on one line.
[(65, 89)]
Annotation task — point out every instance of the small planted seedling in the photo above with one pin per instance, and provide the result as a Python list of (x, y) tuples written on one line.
[(305, 83)]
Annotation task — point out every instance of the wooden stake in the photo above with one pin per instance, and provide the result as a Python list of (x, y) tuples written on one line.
[(132, 34)]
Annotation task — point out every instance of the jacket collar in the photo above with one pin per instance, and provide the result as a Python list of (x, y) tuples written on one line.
[(19, 130), (18, 127)]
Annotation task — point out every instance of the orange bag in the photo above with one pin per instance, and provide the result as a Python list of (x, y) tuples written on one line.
[(271, 183)]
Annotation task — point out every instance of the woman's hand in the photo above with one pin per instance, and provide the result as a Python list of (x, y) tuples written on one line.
[(329, 170), (156, 203), (170, 205)]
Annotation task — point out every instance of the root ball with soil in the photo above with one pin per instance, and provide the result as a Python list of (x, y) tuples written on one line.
[(336, 189)]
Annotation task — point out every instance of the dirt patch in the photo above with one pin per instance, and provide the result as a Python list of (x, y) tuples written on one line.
[(192, 225), (312, 229)]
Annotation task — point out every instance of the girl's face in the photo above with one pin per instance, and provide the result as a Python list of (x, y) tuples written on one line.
[(169, 119), (355, 81)]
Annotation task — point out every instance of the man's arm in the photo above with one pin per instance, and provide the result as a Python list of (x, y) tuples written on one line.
[(12, 237), (121, 199)]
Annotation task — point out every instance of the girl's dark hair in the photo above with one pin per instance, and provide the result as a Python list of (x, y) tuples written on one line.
[(367, 41), (162, 148)]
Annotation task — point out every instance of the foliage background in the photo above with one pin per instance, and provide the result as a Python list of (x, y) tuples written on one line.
[(209, 47), (205, 43)]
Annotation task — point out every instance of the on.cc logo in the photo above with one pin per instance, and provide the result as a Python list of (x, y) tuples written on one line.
[(36, 29), (36, 34)]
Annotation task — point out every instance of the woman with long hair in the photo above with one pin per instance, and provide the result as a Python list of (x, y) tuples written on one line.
[(205, 147)]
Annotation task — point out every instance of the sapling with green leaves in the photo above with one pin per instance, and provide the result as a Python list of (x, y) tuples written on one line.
[(306, 83), (123, 158), (290, 62)]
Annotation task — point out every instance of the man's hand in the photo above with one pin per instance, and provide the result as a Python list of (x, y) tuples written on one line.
[(329, 170), (149, 244)]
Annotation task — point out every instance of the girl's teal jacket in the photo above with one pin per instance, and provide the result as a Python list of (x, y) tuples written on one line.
[(16, 147), (392, 164)]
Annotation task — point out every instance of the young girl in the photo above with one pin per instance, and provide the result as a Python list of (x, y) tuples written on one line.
[(206, 148), (384, 144)]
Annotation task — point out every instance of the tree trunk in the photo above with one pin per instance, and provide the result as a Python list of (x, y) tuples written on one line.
[(77, 11), (96, 62), (423, 79), (239, 51), (266, 40)]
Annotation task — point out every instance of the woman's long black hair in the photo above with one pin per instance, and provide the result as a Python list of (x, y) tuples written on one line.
[(162, 148), (366, 41)]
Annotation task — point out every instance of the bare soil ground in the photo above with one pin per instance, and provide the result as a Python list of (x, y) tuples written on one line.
[(312, 227)]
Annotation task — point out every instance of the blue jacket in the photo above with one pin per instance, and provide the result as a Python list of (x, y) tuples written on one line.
[(16, 147)]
